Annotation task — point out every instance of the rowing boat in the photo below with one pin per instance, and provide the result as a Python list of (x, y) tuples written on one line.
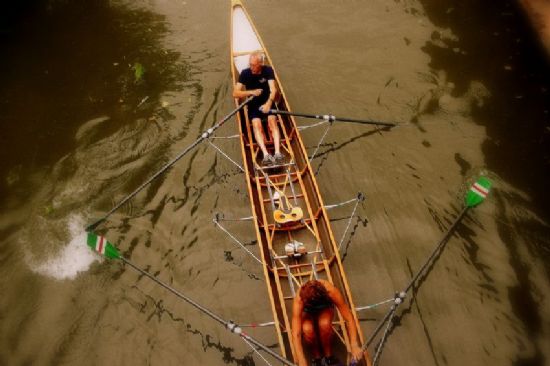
[(293, 230)]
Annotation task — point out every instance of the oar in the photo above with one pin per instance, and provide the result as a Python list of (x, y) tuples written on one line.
[(331, 118), (202, 137), (102, 246), (475, 195)]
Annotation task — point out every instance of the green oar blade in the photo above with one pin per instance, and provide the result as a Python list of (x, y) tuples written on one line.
[(478, 192), (102, 246)]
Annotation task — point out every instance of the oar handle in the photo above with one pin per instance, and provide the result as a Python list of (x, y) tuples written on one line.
[(332, 118)]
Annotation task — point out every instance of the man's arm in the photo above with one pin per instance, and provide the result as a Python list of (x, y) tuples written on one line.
[(297, 308), (272, 90), (272, 95), (239, 92)]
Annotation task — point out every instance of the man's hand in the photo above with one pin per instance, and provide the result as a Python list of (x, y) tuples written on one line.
[(356, 352), (266, 107), (255, 92)]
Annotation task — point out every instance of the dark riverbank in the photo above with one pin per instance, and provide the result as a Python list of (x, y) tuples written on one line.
[(538, 12)]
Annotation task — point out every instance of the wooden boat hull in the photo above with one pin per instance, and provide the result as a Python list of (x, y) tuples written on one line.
[(284, 274)]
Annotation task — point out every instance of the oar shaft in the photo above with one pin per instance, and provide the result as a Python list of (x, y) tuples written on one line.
[(434, 253), (475, 196), (384, 337), (364, 121), (167, 166), (267, 350), (206, 311), (388, 315), (437, 249), (175, 292), (144, 184), (332, 118)]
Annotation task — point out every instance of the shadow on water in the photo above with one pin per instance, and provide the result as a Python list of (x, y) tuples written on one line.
[(495, 44), (157, 310), (68, 62)]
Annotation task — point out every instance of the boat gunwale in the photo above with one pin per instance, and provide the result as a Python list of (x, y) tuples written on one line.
[(235, 3)]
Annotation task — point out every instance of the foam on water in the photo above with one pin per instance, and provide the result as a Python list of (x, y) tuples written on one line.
[(73, 258)]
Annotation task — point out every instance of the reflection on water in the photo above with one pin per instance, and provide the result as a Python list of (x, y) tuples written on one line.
[(494, 44), (72, 62), (85, 114), (81, 108)]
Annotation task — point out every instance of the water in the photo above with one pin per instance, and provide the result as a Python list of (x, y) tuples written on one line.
[(80, 130)]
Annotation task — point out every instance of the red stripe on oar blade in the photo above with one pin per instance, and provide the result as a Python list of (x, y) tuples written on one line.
[(482, 191), (101, 248)]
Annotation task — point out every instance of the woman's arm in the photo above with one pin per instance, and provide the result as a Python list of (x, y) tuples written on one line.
[(297, 308), (338, 299)]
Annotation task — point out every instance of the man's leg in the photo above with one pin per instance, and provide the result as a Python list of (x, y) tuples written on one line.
[(259, 134), (272, 123), (324, 322), (308, 333)]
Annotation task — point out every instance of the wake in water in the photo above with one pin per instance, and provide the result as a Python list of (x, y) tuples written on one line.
[(74, 257), (54, 240)]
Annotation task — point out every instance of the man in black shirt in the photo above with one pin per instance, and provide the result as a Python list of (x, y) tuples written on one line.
[(259, 80)]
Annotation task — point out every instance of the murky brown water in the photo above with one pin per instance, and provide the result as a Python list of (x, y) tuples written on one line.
[(80, 130)]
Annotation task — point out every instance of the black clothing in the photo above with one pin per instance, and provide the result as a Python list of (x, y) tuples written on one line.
[(315, 307), (257, 81)]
